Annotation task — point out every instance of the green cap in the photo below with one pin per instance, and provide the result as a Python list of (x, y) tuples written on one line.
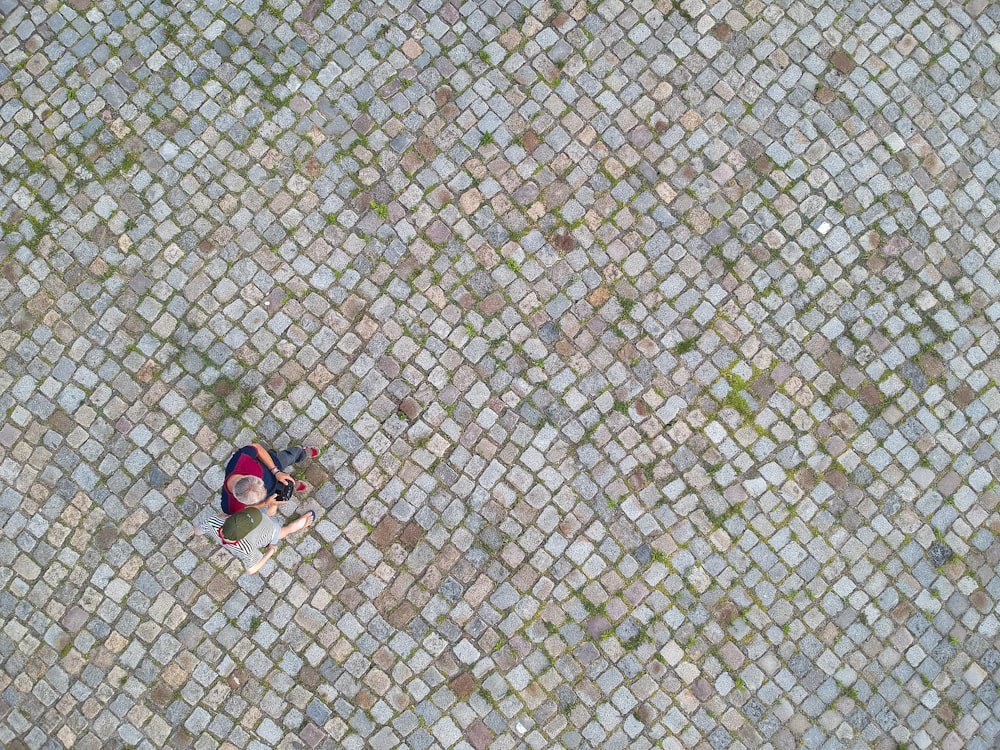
[(240, 524)]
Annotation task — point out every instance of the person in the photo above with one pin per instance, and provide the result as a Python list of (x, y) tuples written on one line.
[(244, 534), (255, 462)]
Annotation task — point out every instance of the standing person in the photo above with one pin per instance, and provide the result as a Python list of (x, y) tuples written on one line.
[(255, 462), (246, 532)]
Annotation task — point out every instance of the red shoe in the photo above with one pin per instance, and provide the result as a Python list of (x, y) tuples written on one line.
[(300, 487), (311, 451)]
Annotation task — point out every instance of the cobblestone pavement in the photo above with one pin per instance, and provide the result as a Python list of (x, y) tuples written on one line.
[(653, 347)]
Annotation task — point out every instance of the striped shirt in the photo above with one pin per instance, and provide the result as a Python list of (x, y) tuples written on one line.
[(248, 549)]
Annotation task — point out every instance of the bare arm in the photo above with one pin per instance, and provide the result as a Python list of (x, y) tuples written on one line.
[(265, 458), (268, 554), (269, 505)]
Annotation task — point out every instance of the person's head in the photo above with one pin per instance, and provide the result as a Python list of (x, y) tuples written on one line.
[(250, 490), (239, 525)]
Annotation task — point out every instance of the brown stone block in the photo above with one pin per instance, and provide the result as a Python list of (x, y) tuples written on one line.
[(479, 735), (364, 699), (463, 685), (402, 616), (409, 407), (842, 61), (412, 533), (386, 532)]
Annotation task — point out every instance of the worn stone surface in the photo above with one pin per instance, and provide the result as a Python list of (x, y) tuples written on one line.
[(652, 348)]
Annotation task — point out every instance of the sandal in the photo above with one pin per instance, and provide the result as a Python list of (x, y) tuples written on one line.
[(300, 487), (312, 518), (311, 451)]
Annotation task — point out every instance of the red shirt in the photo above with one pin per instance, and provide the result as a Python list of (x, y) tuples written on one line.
[(245, 463)]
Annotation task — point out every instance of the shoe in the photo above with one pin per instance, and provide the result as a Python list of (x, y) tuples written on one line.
[(311, 451), (300, 487)]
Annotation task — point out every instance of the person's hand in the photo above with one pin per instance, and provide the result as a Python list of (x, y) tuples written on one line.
[(270, 505), (283, 477), (271, 549)]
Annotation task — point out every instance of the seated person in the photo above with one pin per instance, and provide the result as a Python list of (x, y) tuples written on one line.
[(257, 462)]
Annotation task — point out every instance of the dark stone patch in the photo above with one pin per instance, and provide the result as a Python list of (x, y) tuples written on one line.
[(388, 366), (597, 626), (479, 735), (161, 694), (939, 554), (412, 533), (643, 554), (402, 615), (720, 738), (386, 532), (491, 538), (891, 505), (825, 95), (426, 147), (310, 11), (463, 685), (896, 245), (990, 660), (918, 624), (564, 240), (912, 428), (628, 630), (862, 476), (858, 719), (915, 375), (526, 193), (410, 408), (721, 31), (726, 613), (139, 283), (753, 710), (980, 600), (492, 304), (702, 689), (497, 235), (548, 332), (318, 712), (637, 480), (309, 676), (105, 537), (74, 619), (446, 475), (451, 589), (156, 477), (842, 62), (438, 232), (963, 396), (799, 665), (838, 480), (482, 283)]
